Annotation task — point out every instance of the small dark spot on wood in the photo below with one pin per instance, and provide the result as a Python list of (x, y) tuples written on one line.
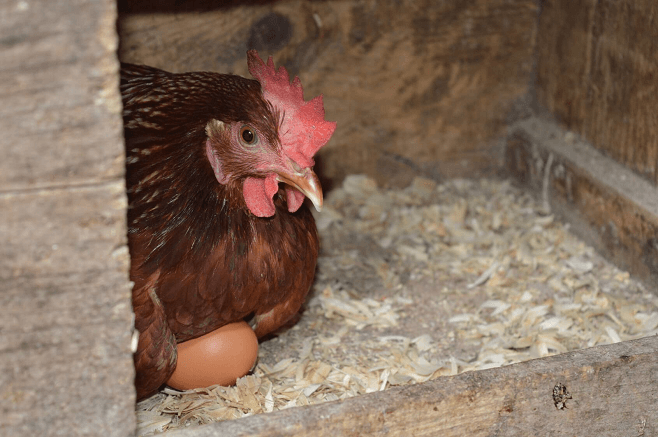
[(508, 407), (356, 36), (12, 40), (436, 91), (363, 32), (560, 396), (435, 408), (626, 358), (270, 33)]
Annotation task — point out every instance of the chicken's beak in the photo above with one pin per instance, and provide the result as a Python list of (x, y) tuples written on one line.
[(306, 181)]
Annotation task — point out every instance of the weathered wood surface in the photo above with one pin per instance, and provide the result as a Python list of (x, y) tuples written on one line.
[(65, 329), (609, 206), (57, 83), (417, 87), (597, 71), (612, 388)]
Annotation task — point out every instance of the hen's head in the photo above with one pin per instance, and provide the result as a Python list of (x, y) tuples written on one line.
[(275, 145)]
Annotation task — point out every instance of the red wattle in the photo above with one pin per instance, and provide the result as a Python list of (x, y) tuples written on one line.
[(258, 195), (295, 198)]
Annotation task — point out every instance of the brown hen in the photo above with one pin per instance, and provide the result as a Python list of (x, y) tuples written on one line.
[(213, 238)]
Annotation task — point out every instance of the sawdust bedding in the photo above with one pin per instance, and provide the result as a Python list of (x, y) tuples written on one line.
[(418, 283)]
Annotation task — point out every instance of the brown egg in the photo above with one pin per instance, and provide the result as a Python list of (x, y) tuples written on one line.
[(219, 357)]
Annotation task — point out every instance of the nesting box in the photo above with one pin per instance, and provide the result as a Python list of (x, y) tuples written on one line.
[(555, 94)]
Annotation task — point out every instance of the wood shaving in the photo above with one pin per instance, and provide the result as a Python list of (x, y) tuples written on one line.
[(422, 282)]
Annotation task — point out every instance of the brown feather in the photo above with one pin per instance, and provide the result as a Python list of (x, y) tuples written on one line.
[(200, 259)]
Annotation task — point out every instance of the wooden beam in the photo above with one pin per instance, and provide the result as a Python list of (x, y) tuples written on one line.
[(608, 205), (612, 388), (66, 325)]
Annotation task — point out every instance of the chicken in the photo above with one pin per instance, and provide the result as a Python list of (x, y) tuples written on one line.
[(213, 238)]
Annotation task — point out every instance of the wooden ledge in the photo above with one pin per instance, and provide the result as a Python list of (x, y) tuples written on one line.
[(613, 392), (609, 206)]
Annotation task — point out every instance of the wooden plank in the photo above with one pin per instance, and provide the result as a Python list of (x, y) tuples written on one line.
[(596, 71), (57, 80), (63, 230), (65, 366), (609, 206), (613, 390), (65, 332), (66, 325), (417, 87)]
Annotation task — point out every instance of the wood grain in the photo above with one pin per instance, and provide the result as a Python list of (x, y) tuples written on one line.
[(597, 67), (611, 388), (65, 366), (416, 87), (609, 206), (66, 326), (52, 231), (57, 80)]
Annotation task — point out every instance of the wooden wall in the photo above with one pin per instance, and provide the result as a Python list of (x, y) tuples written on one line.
[(598, 73), (65, 329), (417, 87), (608, 205)]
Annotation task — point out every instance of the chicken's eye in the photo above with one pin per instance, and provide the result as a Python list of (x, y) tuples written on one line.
[(248, 136)]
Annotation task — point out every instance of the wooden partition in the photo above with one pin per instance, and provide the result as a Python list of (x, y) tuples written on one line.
[(65, 329)]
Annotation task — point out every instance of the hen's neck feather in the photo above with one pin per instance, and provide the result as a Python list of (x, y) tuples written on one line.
[(175, 201)]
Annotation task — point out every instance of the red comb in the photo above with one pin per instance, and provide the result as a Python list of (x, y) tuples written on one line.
[(304, 129)]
